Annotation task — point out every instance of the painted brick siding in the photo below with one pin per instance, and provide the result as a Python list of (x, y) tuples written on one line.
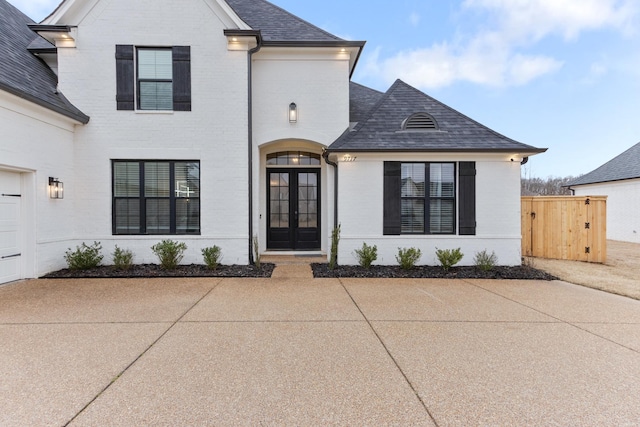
[(39, 144), (360, 210), (319, 85), (214, 132), (623, 205)]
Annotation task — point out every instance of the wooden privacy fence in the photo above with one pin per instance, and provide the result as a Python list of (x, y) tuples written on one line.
[(565, 227)]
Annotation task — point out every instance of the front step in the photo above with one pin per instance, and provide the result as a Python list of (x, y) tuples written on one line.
[(292, 266)]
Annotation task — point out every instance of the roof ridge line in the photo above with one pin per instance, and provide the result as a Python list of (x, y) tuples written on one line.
[(302, 19)]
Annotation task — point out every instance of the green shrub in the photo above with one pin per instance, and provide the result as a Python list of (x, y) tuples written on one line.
[(122, 258), (84, 257), (484, 261), (407, 257), (212, 256), (448, 257), (170, 253), (335, 238), (366, 255)]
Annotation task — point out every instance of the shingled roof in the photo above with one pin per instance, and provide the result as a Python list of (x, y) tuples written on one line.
[(276, 24), (23, 74), (382, 128), (624, 166), (362, 100)]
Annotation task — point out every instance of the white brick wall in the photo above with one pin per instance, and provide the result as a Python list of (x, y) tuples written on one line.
[(39, 143), (497, 210), (214, 132), (623, 205), (319, 85)]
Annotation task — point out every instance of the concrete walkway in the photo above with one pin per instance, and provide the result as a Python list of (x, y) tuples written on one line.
[(302, 351)]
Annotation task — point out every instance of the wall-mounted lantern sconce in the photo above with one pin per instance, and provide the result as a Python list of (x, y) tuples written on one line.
[(293, 113), (348, 158), (56, 188)]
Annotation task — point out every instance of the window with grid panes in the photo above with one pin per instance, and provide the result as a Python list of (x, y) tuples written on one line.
[(427, 198), (156, 197)]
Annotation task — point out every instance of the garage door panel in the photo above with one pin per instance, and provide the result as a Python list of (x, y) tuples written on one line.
[(9, 269), (10, 233)]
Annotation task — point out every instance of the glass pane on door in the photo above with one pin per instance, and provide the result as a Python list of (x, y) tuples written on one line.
[(307, 200), (279, 203)]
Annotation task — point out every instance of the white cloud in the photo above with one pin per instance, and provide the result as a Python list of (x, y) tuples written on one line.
[(414, 19), (496, 55), (441, 65), (535, 19)]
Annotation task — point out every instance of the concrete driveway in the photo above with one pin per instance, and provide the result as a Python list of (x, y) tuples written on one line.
[(299, 351)]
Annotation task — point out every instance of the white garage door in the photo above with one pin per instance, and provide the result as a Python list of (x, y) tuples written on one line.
[(10, 236)]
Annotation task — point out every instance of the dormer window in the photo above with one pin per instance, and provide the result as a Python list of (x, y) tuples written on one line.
[(420, 122)]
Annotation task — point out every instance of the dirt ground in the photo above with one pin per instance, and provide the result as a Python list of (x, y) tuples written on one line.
[(619, 275)]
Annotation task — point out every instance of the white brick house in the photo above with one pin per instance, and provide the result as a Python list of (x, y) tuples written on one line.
[(619, 180), (212, 121)]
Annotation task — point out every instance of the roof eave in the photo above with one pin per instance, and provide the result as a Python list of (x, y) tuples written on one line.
[(347, 44), (234, 32), (79, 117), (57, 35), (527, 152), (600, 182)]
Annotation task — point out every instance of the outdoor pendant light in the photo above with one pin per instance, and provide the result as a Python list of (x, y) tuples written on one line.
[(293, 113)]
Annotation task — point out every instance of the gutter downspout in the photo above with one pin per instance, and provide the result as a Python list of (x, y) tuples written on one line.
[(250, 139), (325, 156)]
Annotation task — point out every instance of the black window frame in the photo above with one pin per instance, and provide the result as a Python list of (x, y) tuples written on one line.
[(464, 209), (140, 80), (127, 84), (427, 198), (142, 198)]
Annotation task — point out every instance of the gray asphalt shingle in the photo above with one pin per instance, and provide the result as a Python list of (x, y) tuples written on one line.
[(362, 100), (624, 166), (276, 24), (22, 73), (381, 129)]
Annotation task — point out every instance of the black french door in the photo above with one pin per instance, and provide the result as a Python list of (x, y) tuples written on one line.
[(293, 210)]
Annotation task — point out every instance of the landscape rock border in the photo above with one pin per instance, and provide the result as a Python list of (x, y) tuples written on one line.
[(430, 272), (155, 270)]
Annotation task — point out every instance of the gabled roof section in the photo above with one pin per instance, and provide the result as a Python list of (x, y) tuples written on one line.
[(361, 100), (381, 129), (276, 24), (624, 166), (23, 74)]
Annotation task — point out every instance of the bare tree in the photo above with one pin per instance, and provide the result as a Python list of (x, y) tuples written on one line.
[(551, 186)]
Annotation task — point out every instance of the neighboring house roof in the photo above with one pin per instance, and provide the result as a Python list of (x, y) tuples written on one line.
[(382, 128), (276, 24), (362, 100), (23, 74), (624, 166)]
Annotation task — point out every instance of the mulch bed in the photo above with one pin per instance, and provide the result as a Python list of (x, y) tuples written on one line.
[(319, 271), (154, 270), (430, 272)]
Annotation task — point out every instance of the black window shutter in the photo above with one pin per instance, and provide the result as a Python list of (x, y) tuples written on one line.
[(182, 78), (125, 77), (467, 199), (392, 187)]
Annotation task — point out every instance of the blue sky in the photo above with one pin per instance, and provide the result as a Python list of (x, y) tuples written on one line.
[(561, 74)]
